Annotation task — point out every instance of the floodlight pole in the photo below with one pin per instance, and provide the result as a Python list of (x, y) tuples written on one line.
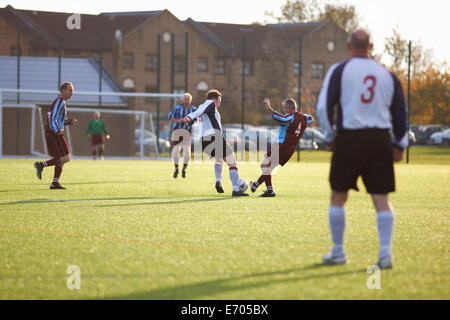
[(299, 85), (186, 60), (172, 66), (100, 58), (158, 88), (59, 62), (409, 96), (18, 65), (243, 93), (1, 124)]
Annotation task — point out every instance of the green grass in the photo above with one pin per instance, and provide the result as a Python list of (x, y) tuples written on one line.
[(137, 233)]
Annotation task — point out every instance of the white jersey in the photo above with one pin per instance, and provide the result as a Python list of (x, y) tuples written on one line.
[(366, 95), (208, 118)]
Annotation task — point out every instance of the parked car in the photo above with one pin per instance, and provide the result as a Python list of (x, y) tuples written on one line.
[(425, 132), (440, 137), (315, 135), (150, 141), (236, 126), (307, 144), (256, 137), (235, 138)]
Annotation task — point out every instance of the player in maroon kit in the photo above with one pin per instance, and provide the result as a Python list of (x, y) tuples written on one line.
[(293, 124), (54, 135)]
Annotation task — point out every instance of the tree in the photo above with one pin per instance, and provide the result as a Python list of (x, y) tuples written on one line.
[(397, 49), (294, 11), (343, 15)]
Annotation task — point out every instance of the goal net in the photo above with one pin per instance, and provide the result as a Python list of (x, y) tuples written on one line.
[(136, 122)]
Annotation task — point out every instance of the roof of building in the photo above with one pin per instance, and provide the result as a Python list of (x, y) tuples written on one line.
[(41, 73), (50, 26), (46, 28)]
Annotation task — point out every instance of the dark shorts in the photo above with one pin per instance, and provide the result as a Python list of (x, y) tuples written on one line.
[(216, 146), (366, 153), (183, 136), (280, 153), (98, 139), (56, 144)]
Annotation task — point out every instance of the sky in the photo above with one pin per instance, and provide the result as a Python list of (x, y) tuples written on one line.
[(423, 21)]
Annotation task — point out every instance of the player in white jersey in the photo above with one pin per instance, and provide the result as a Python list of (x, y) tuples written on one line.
[(213, 141), (369, 101)]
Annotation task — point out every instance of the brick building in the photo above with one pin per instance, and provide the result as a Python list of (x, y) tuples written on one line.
[(214, 59)]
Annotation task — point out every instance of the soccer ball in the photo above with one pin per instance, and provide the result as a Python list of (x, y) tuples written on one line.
[(243, 185)]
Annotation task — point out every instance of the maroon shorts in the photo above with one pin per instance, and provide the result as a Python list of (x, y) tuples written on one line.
[(280, 153), (98, 139), (56, 144)]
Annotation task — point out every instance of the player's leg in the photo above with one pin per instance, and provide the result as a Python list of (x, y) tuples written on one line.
[(336, 220), (378, 177), (218, 166), (270, 162), (345, 169), (230, 159), (385, 226), (101, 150), (176, 158), (64, 153), (94, 151), (186, 153), (52, 150), (262, 178)]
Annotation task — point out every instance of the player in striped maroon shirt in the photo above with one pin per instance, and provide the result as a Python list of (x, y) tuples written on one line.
[(54, 135), (292, 126)]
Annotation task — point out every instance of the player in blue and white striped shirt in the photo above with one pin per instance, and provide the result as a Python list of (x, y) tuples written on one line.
[(368, 101), (182, 133), (54, 135)]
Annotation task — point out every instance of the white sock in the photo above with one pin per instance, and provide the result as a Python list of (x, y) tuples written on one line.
[(385, 225), (44, 163), (336, 218), (176, 154), (218, 171), (186, 154), (234, 177)]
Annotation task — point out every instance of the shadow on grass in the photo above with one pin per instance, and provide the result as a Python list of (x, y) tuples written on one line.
[(199, 290), (113, 199), (161, 202)]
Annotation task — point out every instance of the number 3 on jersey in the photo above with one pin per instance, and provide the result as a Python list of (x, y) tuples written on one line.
[(367, 97)]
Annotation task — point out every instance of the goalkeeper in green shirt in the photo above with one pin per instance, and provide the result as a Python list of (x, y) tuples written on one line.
[(96, 131)]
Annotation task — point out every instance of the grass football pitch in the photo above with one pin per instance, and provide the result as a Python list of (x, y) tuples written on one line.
[(137, 233)]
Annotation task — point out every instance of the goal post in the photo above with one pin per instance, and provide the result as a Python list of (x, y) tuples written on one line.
[(129, 119)]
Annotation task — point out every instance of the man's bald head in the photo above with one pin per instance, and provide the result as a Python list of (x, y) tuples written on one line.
[(359, 43)]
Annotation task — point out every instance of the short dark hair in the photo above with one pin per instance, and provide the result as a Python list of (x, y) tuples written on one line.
[(65, 85), (213, 94), (359, 43), (290, 103)]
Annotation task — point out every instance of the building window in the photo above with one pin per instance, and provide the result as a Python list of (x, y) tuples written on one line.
[(202, 64), (219, 66), (179, 64), (202, 88), (128, 60), (39, 53), (128, 83), (318, 70), (150, 89), (151, 62), (178, 91), (295, 67), (248, 68)]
